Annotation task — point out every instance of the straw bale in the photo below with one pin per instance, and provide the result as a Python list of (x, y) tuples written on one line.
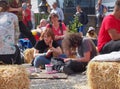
[(13, 77), (28, 55), (103, 75)]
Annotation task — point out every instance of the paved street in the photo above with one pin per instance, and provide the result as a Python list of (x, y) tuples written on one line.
[(78, 81)]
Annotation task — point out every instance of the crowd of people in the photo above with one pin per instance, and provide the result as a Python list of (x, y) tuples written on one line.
[(52, 39)]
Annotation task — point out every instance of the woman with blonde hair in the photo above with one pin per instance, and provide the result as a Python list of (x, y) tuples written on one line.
[(45, 49)]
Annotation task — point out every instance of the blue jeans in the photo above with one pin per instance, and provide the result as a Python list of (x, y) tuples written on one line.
[(41, 61), (82, 29)]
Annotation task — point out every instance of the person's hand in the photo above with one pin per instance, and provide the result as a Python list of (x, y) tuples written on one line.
[(57, 37), (48, 53), (50, 44), (66, 59), (52, 48), (19, 9)]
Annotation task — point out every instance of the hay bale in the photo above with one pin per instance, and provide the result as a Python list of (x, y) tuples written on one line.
[(28, 55), (103, 75), (13, 77)]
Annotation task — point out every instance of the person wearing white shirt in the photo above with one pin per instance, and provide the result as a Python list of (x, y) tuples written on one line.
[(57, 11)]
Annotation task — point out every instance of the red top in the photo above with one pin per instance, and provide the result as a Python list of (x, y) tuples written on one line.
[(26, 16), (109, 22), (57, 31)]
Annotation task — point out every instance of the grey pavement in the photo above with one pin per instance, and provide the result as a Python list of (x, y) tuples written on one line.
[(77, 81)]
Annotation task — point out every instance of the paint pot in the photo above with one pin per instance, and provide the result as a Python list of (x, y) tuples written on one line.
[(48, 68)]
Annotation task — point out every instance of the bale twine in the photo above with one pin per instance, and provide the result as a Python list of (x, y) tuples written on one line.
[(103, 75), (13, 77), (28, 55)]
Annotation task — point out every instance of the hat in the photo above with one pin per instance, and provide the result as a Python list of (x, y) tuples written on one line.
[(91, 29)]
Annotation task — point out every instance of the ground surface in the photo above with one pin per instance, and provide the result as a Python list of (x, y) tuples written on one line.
[(77, 81)]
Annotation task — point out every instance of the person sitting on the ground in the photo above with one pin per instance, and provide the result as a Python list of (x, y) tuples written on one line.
[(45, 49), (92, 35), (109, 34), (42, 26), (85, 51), (9, 34), (58, 28)]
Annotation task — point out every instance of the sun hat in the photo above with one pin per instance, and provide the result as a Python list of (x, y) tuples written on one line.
[(91, 29)]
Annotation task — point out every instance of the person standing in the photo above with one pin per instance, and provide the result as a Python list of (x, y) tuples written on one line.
[(82, 18), (44, 6), (32, 15), (16, 8), (9, 34), (100, 12), (109, 34), (58, 11), (26, 14)]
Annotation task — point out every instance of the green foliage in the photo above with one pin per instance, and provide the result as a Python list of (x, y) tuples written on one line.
[(74, 25)]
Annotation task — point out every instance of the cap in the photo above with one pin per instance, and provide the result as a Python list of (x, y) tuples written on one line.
[(91, 29)]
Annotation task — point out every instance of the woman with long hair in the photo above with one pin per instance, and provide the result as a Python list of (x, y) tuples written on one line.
[(45, 49), (85, 51), (59, 28)]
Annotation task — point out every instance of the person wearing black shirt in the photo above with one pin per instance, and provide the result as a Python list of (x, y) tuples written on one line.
[(45, 49)]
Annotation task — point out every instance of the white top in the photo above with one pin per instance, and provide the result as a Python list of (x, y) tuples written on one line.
[(9, 32), (59, 12)]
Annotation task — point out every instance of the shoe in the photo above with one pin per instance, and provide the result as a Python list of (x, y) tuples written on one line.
[(67, 71)]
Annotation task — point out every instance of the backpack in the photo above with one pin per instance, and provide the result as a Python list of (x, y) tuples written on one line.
[(23, 44), (83, 18)]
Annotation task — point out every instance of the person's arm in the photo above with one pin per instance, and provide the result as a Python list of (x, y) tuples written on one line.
[(56, 51), (97, 7), (15, 9), (86, 58), (114, 34), (65, 30), (36, 53)]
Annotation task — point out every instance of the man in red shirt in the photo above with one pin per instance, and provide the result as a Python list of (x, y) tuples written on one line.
[(109, 34)]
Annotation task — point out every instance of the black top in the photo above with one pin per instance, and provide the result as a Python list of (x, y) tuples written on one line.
[(42, 47)]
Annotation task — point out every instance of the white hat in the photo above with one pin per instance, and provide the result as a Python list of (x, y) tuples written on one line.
[(91, 29)]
